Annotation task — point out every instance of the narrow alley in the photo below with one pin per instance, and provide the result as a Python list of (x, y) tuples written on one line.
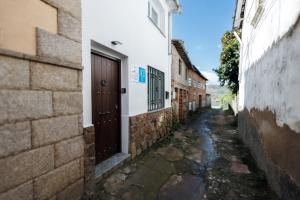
[(149, 100), (204, 159)]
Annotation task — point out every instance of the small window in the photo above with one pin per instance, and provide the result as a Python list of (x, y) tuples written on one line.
[(180, 67), (156, 89), (186, 74), (258, 13), (190, 82), (156, 14)]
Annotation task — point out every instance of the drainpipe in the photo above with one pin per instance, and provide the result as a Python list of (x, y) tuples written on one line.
[(240, 66), (238, 38)]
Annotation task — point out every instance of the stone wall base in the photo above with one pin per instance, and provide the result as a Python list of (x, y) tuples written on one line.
[(147, 128), (89, 162), (275, 149)]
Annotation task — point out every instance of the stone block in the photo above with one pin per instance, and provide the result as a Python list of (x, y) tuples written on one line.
[(73, 192), (22, 105), (68, 150), (82, 166), (69, 26), (80, 79), (89, 135), (22, 192), (58, 47), (14, 138), (50, 77), (17, 169), (71, 6), (53, 182), (67, 103), (80, 124), (14, 73), (47, 131)]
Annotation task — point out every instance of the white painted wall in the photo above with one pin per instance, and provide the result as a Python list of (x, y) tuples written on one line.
[(143, 44), (269, 75)]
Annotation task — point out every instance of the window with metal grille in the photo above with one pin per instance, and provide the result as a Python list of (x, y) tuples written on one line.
[(156, 89)]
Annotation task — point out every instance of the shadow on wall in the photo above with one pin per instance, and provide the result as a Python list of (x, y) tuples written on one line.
[(275, 148)]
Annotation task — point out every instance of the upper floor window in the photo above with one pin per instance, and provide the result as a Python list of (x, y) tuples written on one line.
[(259, 9), (156, 14), (180, 67), (190, 82), (186, 74)]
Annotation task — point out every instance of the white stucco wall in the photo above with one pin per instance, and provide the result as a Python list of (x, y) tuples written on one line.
[(270, 60), (142, 45)]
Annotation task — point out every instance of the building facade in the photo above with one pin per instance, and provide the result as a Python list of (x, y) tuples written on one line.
[(180, 88), (41, 135), (197, 89), (126, 76), (58, 121), (269, 109)]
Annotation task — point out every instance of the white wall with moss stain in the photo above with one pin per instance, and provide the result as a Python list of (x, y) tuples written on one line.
[(270, 61)]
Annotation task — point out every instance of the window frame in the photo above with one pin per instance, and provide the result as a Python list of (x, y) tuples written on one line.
[(179, 66), (156, 89), (186, 74), (160, 23)]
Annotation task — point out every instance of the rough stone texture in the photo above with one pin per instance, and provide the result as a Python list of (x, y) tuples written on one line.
[(46, 131), (80, 79), (33, 58), (14, 73), (25, 166), (239, 168), (80, 124), (147, 128), (67, 103), (59, 47), (32, 135), (69, 26), (73, 192), (270, 145), (170, 153), (68, 150), (71, 6), (14, 138), (89, 161), (22, 192), (22, 105), (49, 184), (50, 77)]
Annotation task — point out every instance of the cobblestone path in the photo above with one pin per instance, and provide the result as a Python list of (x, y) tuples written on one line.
[(203, 160)]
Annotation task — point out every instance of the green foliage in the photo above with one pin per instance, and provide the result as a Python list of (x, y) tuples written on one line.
[(227, 99), (228, 70)]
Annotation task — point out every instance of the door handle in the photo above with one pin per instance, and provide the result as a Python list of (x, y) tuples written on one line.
[(103, 113)]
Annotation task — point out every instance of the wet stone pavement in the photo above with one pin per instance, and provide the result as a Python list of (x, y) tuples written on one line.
[(203, 160)]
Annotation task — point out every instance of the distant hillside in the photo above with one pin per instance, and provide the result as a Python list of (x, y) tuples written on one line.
[(217, 92)]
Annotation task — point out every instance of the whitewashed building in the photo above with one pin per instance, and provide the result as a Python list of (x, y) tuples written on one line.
[(269, 108), (127, 74)]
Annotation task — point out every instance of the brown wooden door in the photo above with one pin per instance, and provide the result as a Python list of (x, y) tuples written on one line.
[(106, 106)]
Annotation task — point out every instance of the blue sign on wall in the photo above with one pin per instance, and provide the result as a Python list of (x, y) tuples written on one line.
[(142, 75)]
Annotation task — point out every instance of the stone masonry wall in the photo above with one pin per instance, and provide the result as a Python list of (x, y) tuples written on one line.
[(89, 161), (147, 128), (41, 135)]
